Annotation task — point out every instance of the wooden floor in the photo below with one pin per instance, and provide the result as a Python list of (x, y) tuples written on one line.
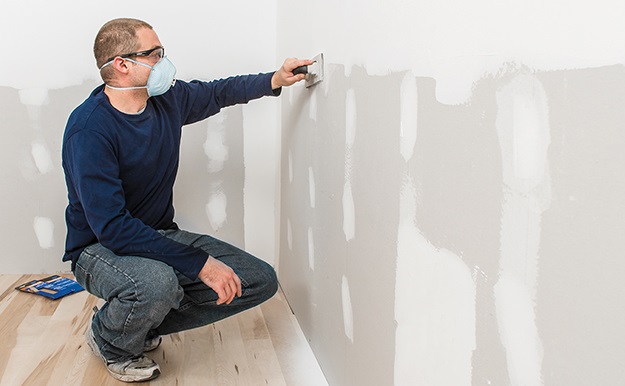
[(42, 343)]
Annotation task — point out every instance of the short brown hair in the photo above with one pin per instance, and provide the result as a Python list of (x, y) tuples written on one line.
[(116, 37)]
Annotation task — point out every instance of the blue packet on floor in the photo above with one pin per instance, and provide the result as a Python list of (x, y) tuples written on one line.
[(53, 287)]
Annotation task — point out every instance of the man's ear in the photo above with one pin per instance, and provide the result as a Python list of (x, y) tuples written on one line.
[(120, 65)]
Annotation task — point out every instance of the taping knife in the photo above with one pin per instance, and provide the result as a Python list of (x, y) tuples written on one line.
[(314, 72)]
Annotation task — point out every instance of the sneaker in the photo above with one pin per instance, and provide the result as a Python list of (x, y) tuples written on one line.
[(134, 370), (137, 369)]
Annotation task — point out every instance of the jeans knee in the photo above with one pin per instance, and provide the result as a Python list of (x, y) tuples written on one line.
[(273, 283), (267, 281), (161, 291)]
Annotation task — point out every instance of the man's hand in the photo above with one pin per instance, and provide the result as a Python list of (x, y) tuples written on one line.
[(221, 279), (284, 76)]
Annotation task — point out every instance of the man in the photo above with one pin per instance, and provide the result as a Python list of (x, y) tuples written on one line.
[(120, 157)]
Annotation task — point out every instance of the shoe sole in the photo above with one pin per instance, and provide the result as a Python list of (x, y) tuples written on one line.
[(120, 377), (131, 378)]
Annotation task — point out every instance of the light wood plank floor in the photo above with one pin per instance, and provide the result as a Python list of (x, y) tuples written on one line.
[(42, 343)]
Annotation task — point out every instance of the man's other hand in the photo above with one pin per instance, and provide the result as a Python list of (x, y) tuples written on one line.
[(221, 279)]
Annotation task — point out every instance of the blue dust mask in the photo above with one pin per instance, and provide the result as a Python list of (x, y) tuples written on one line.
[(160, 80)]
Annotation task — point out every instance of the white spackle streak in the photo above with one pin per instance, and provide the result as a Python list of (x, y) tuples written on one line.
[(311, 186), (434, 306), (289, 234), (311, 249), (44, 230), (216, 209), (524, 136), (41, 156), (215, 147), (348, 316), (408, 111), (530, 139), (347, 67), (349, 212), (517, 331), (36, 96)]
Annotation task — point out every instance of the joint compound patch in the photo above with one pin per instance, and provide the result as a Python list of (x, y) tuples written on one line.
[(41, 156), (215, 146), (349, 215), (524, 136), (408, 111), (216, 209), (348, 316), (434, 306), (44, 230)]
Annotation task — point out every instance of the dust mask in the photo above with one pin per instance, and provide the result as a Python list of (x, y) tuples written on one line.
[(160, 80)]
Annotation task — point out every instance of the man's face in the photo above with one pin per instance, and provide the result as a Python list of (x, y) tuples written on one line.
[(147, 41)]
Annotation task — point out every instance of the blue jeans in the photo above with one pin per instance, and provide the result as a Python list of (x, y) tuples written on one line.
[(146, 297)]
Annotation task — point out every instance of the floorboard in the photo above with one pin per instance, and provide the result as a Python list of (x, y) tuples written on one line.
[(43, 344)]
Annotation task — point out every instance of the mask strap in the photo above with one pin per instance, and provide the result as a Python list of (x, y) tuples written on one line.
[(127, 88), (128, 59)]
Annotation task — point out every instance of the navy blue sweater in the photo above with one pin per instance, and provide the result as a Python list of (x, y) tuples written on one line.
[(120, 168)]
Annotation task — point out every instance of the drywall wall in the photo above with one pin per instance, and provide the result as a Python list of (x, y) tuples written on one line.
[(229, 167), (451, 194)]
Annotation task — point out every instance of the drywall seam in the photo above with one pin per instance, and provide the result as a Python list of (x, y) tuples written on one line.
[(524, 136), (434, 307), (408, 115), (349, 212), (348, 313), (434, 289)]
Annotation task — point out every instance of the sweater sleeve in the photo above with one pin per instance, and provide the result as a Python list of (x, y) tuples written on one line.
[(204, 99), (92, 167)]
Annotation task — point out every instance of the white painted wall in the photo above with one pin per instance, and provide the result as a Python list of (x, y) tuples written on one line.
[(50, 69), (460, 152), (457, 42)]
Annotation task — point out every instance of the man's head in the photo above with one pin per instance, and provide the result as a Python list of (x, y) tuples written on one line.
[(116, 37)]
